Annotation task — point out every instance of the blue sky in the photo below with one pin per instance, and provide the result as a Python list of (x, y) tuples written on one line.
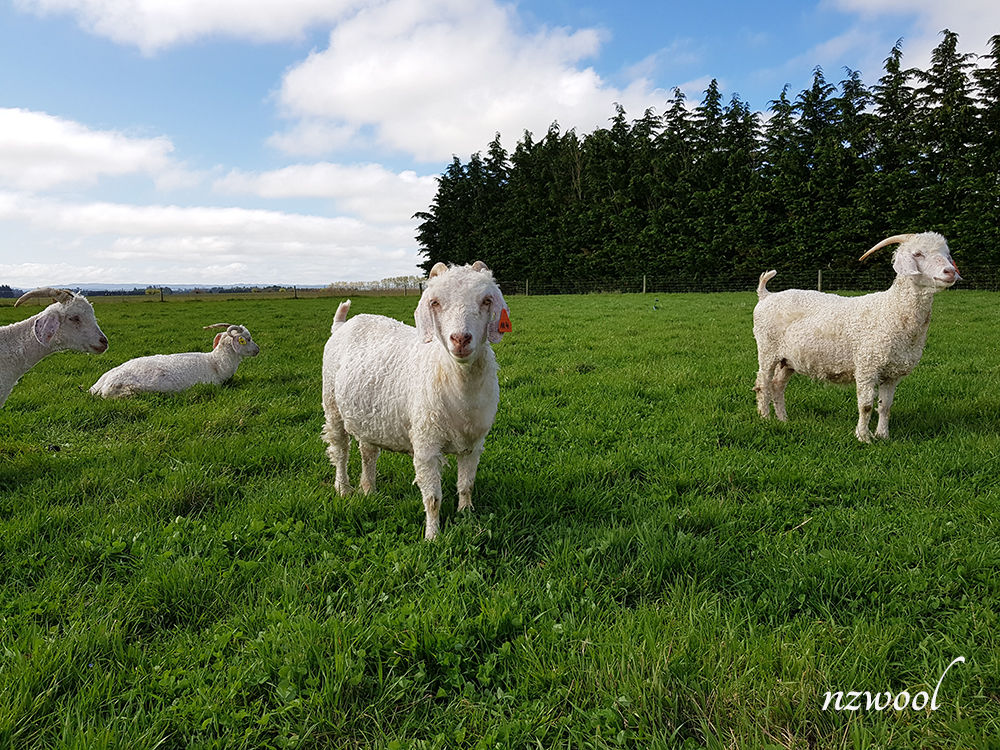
[(291, 141)]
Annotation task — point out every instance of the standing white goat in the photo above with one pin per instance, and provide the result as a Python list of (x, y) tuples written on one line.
[(427, 391), (68, 323), (172, 373), (874, 340)]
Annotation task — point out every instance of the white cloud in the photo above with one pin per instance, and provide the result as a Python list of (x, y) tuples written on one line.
[(33, 275), (973, 20), (39, 151), (152, 25), (114, 241), (678, 54), (157, 243), (866, 41), (368, 191), (176, 221), (970, 15), (310, 136), (434, 78), (423, 77)]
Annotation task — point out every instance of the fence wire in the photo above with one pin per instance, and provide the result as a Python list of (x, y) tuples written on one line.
[(979, 278), (862, 280)]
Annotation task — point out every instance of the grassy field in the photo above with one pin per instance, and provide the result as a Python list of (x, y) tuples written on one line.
[(649, 564)]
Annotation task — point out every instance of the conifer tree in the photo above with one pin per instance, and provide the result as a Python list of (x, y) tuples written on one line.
[(711, 190), (947, 126)]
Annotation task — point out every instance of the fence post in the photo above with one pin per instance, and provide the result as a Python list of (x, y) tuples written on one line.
[(161, 294), (525, 287), (644, 283), (819, 280)]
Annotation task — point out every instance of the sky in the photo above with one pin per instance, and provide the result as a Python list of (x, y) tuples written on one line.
[(220, 142)]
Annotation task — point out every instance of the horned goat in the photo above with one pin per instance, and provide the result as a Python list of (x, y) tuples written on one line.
[(426, 391), (172, 373), (68, 323), (874, 340)]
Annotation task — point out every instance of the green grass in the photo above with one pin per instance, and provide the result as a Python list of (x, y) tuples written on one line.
[(649, 564)]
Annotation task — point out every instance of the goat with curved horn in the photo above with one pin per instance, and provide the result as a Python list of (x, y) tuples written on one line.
[(68, 324), (896, 239), (874, 340), (172, 373), (46, 292)]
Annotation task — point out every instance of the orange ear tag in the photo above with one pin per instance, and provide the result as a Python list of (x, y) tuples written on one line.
[(504, 325)]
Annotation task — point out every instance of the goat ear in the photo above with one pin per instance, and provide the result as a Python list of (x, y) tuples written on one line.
[(904, 264), (438, 269), (424, 319), (46, 327), (215, 343), (500, 324), (480, 266)]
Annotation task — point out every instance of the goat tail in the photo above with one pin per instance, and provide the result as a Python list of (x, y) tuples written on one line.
[(341, 315), (762, 284)]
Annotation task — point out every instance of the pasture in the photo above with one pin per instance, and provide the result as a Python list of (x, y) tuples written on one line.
[(649, 565)]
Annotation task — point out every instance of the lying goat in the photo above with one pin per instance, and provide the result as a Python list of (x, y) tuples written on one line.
[(172, 373)]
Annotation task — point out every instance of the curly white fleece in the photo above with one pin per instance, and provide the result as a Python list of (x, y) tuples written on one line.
[(873, 340), (67, 325), (172, 373), (426, 391)]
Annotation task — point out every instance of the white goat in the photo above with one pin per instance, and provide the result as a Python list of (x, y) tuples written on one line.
[(68, 323), (427, 391), (172, 373), (874, 340)]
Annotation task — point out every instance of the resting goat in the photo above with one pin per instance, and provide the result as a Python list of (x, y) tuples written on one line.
[(874, 340), (172, 373), (428, 391), (68, 323)]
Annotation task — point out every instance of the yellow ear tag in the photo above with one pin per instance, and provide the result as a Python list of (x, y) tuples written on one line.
[(504, 325), (243, 341)]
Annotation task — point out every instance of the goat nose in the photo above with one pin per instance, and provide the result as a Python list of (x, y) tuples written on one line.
[(461, 340)]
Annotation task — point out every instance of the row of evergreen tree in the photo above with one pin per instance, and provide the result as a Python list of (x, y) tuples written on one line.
[(722, 191)]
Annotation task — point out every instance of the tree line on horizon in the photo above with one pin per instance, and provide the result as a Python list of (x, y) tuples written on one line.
[(719, 190)]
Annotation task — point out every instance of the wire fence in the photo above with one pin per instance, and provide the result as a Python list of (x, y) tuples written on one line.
[(861, 280), (864, 280)]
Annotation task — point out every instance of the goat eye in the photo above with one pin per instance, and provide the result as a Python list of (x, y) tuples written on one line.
[(487, 302), (918, 255), (74, 318), (435, 303), (243, 341)]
